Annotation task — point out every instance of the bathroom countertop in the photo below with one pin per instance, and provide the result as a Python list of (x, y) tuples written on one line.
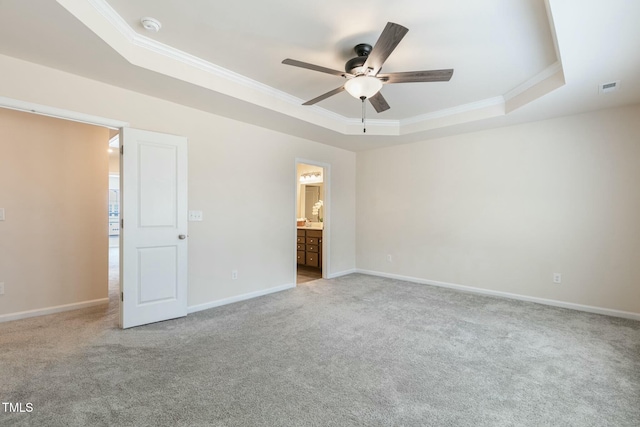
[(313, 226)]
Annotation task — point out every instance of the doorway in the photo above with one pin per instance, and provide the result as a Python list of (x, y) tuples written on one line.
[(153, 184), (55, 250), (311, 220)]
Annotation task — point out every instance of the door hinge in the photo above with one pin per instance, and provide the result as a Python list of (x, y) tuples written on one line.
[(122, 149), (121, 296), (121, 223)]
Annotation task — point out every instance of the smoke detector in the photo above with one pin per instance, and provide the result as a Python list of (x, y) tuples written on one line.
[(151, 24), (609, 87)]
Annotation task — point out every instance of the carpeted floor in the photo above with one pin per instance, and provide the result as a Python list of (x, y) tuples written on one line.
[(352, 351)]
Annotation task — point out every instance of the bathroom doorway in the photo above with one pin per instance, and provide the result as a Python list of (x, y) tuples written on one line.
[(311, 210)]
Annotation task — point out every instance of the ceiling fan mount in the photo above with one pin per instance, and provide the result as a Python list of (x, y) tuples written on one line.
[(354, 65), (364, 79)]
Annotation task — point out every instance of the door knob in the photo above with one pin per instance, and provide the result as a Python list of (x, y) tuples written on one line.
[(182, 236)]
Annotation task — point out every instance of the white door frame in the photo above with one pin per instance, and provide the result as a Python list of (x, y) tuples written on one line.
[(326, 228)]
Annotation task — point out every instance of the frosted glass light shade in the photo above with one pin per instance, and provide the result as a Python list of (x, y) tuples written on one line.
[(360, 86)]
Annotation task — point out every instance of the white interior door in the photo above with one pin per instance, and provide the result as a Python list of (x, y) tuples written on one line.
[(153, 245)]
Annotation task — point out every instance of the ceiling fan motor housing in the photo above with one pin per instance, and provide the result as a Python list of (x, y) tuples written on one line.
[(354, 65)]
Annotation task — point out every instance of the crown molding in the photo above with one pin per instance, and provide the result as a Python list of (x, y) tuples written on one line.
[(545, 74), (183, 57), (373, 122), (114, 18), (289, 104), (465, 108)]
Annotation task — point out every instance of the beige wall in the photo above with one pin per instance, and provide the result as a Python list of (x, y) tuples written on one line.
[(503, 209), (499, 210), (114, 155), (114, 162), (53, 243), (232, 166)]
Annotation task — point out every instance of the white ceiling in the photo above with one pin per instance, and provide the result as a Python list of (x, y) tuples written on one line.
[(511, 43), (514, 60)]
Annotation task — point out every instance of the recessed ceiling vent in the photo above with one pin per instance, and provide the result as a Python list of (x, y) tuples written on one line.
[(609, 87)]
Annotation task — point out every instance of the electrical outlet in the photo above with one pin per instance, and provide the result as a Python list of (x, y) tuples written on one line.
[(389, 258), (234, 274), (557, 278), (1, 288), (195, 216)]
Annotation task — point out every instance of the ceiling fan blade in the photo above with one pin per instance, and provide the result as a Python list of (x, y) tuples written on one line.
[(387, 42), (324, 96), (314, 67), (379, 103), (417, 76)]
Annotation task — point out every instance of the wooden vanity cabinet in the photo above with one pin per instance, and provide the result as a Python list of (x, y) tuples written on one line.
[(309, 246)]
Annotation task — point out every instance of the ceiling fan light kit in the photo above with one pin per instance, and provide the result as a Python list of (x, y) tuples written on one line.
[(363, 86), (363, 81)]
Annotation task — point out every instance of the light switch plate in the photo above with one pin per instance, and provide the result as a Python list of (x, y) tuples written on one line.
[(195, 216), (1, 288), (1, 214)]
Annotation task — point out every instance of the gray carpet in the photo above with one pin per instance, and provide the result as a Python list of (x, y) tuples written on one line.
[(353, 351)]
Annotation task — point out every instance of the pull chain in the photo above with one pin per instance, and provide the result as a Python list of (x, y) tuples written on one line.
[(364, 110)]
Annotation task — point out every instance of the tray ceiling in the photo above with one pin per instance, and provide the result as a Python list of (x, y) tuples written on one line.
[(512, 59)]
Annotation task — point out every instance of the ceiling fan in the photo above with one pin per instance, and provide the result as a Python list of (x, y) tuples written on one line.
[(364, 80)]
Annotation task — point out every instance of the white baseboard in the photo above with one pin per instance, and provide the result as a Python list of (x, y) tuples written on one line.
[(555, 303), (51, 310), (237, 298), (341, 273)]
